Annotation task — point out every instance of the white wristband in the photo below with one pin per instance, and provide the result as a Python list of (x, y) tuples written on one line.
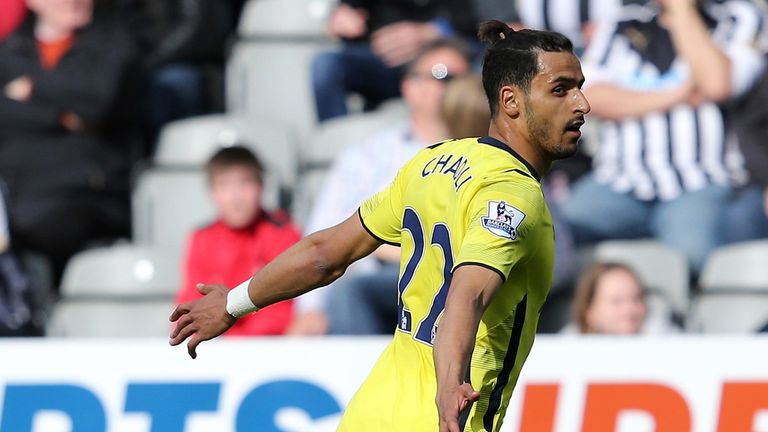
[(239, 302)]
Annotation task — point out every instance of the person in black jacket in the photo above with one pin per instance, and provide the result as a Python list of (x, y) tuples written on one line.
[(182, 45), (379, 38), (748, 216), (65, 128)]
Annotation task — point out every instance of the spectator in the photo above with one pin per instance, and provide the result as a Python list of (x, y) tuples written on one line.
[(183, 49), (576, 19), (362, 171), (5, 233), (243, 239), (22, 302), (379, 37), (13, 14), (610, 299), (748, 218), (658, 81), (65, 128), (464, 107)]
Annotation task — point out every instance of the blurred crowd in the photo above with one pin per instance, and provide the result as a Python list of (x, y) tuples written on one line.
[(675, 149)]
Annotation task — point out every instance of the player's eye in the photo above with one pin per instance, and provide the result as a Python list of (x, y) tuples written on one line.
[(559, 91)]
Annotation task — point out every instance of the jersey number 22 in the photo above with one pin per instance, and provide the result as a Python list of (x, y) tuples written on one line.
[(427, 327)]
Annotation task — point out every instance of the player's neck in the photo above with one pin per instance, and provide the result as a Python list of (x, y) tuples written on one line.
[(428, 130), (521, 145)]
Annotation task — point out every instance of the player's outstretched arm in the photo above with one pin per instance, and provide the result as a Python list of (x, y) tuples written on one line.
[(472, 289), (315, 261)]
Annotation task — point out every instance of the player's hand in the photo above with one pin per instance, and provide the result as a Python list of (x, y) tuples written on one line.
[(451, 402), (202, 319)]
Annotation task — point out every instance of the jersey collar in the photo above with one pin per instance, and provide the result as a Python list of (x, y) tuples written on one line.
[(500, 145)]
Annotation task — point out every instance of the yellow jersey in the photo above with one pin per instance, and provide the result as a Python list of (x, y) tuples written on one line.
[(472, 201)]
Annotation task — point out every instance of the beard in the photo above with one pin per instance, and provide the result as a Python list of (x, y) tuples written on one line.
[(540, 131)]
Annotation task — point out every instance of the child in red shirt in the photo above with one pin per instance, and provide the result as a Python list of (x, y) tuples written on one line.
[(241, 241)]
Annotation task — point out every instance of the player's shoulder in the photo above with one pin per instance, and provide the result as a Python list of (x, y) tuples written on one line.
[(448, 152), (453, 143), (514, 187)]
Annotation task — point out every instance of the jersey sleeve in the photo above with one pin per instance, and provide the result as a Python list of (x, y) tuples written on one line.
[(382, 214), (499, 219)]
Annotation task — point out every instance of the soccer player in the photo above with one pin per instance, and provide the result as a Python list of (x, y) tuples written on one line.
[(472, 284)]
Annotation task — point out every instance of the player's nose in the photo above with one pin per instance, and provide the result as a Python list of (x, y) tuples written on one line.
[(582, 104)]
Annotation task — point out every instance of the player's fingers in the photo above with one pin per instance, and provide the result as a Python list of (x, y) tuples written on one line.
[(473, 396), (183, 334), (468, 392), (452, 425), (194, 341), (183, 322), (179, 311), (204, 289)]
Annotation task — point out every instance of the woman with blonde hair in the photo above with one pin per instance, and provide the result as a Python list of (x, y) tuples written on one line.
[(464, 107), (609, 299)]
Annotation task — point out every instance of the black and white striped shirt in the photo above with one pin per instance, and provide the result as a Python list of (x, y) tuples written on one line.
[(663, 154), (567, 16), (563, 16)]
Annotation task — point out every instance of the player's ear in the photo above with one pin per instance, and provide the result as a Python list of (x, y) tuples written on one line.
[(509, 101)]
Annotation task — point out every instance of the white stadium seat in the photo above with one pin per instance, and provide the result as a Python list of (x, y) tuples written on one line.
[(328, 141), (285, 17), (269, 70), (168, 204), (663, 270), (118, 291), (734, 290), (192, 141), (111, 318), (123, 270), (271, 80)]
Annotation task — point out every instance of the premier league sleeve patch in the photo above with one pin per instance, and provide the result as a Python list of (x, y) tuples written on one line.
[(503, 220)]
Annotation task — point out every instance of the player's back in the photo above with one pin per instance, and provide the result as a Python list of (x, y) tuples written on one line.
[(460, 202)]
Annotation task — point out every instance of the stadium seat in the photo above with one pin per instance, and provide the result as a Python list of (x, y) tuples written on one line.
[(279, 90), (330, 139), (190, 142), (333, 136), (168, 204), (122, 290), (268, 73), (309, 185), (111, 318), (734, 290), (297, 18), (122, 270), (663, 270)]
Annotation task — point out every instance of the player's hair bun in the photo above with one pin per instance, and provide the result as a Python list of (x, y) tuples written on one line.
[(493, 32)]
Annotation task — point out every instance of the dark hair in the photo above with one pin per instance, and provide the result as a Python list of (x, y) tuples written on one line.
[(234, 156), (587, 286), (512, 56), (455, 44)]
